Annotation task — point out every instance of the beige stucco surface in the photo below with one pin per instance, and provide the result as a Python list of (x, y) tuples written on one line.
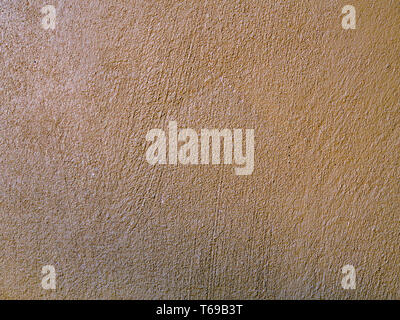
[(76, 191)]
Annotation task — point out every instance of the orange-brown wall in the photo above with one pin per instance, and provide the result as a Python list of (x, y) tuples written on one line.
[(76, 191)]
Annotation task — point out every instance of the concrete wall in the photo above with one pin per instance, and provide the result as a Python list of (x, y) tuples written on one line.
[(76, 191)]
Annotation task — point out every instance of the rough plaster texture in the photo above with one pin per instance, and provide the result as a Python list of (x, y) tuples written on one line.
[(77, 193)]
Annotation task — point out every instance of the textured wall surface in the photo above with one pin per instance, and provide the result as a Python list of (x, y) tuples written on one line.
[(76, 191)]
